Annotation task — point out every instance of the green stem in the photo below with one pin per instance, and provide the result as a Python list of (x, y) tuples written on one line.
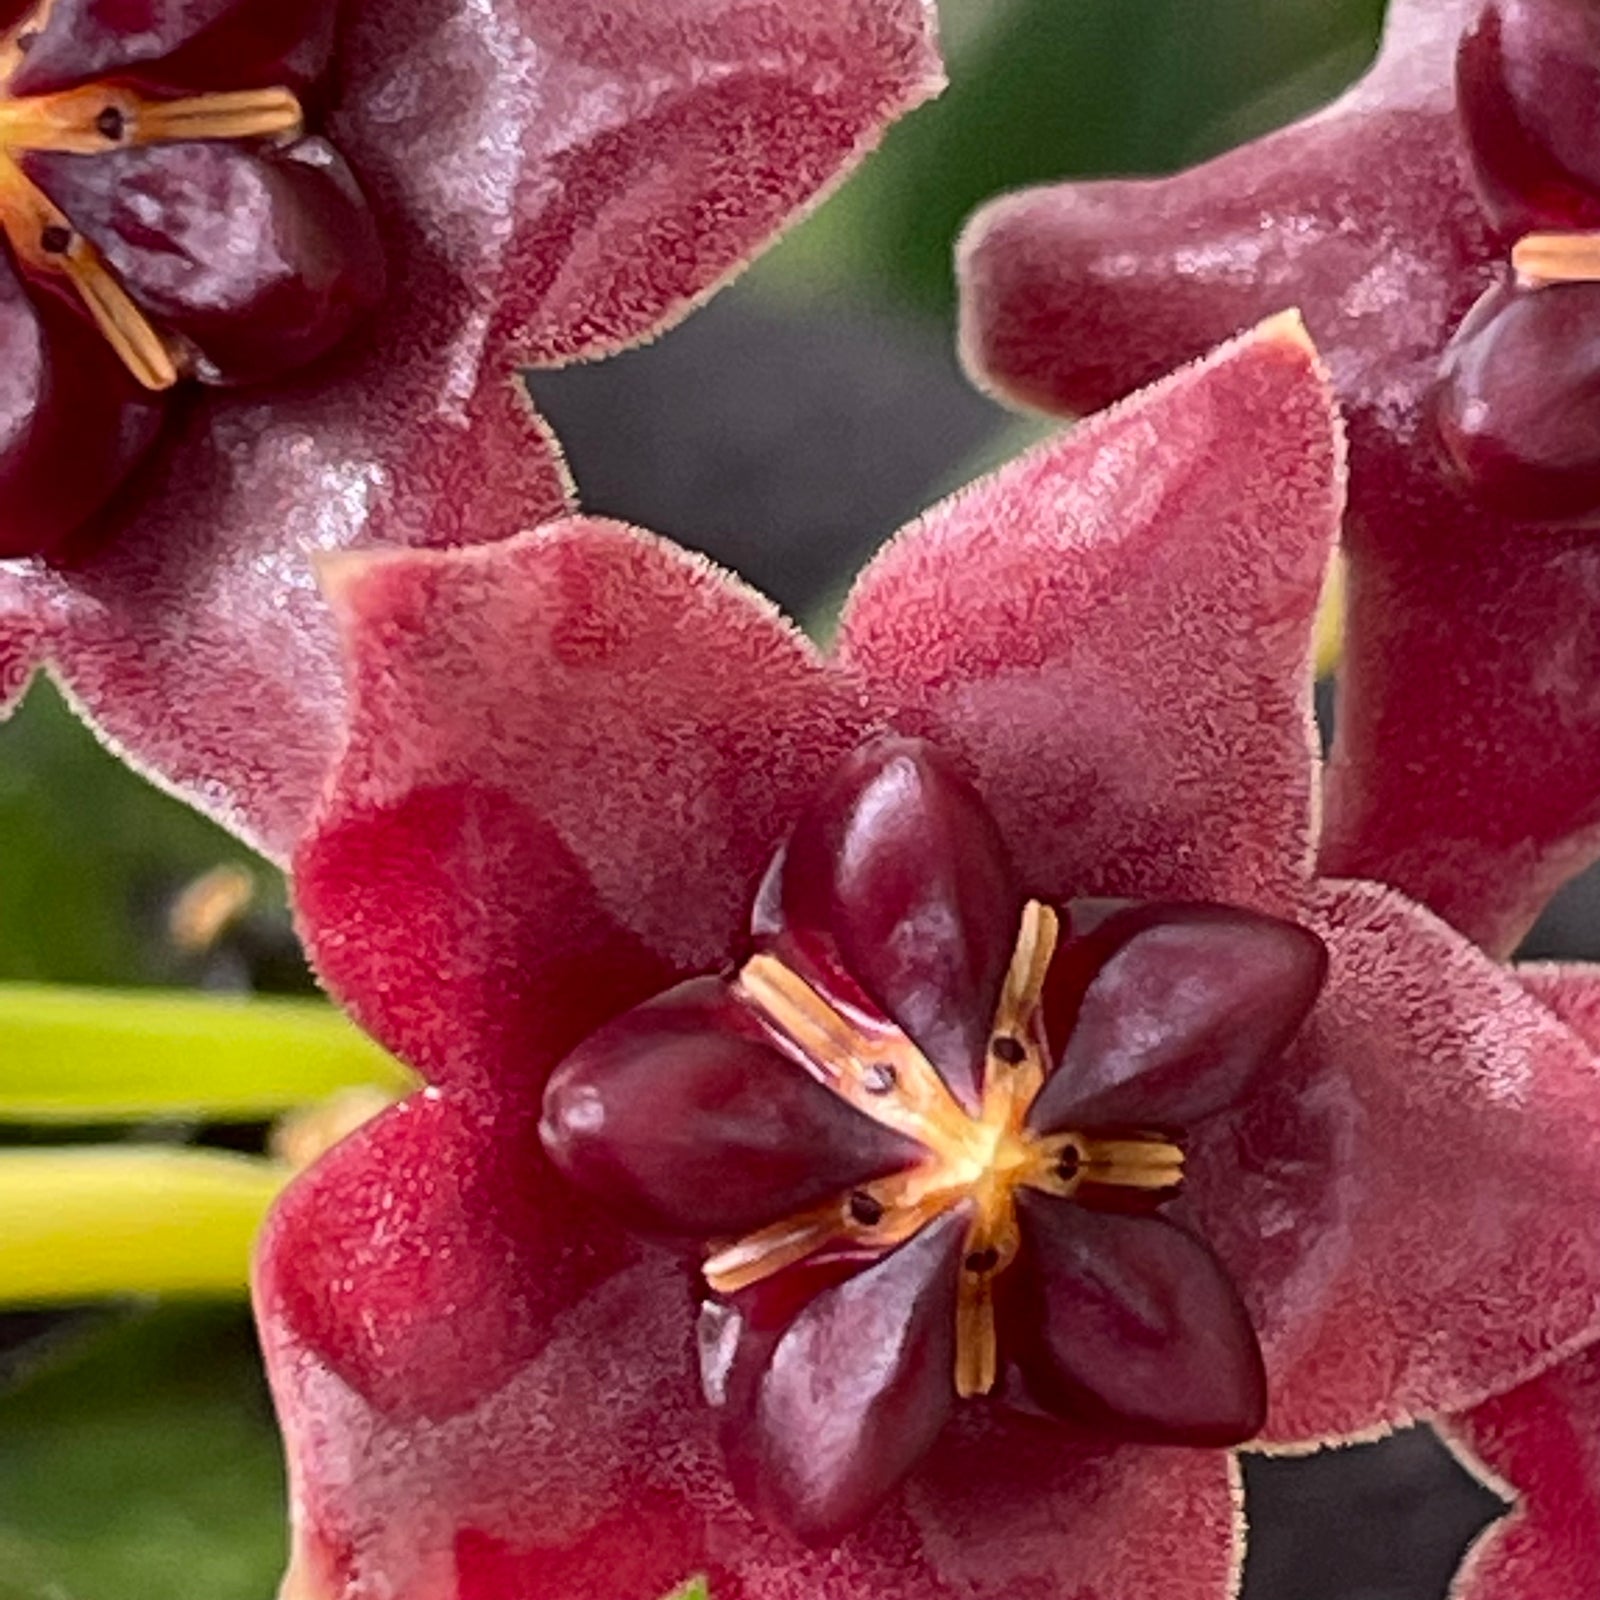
[(98, 1055), (89, 1221)]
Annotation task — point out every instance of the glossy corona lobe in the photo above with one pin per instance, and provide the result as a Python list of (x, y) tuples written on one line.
[(193, 231), (1110, 641), (1528, 92), (1518, 402), (707, 1112)]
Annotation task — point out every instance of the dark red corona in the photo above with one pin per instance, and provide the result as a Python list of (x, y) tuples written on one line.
[(927, 1134), (165, 215)]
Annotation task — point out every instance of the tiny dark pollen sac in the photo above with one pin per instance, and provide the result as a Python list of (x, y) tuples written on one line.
[(111, 124), (983, 1260), (1009, 1049), (1067, 1163), (879, 1079), (26, 41), (865, 1210), (55, 240)]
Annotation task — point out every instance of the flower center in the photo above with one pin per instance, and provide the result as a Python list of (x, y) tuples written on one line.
[(980, 1161), (93, 120)]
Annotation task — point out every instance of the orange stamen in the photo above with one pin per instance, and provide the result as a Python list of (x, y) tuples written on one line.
[(977, 1161), (1548, 258), (92, 120)]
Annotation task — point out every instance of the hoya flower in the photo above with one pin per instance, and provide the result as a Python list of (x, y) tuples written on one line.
[(966, 1186), (270, 267), (1467, 769)]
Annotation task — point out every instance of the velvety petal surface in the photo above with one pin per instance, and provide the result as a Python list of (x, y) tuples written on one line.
[(896, 878), (1113, 633), (1408, 1206), (1540, 1446), (1571, 989), (1166, 1014), (570, 758), (1468, 635), (681, 1117), (488, 1392), (549, 181), (1132, 1327)]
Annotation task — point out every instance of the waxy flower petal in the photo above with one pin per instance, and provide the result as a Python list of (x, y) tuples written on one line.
[(1339, 1277), (1539, 1445), (550, 181), (584, 1464), (666, 728), (578, 746), (1467, 767), (1113, 561)]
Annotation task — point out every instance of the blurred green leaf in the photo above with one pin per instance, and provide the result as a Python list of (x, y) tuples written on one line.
[(93, 1055), (87, 849), (85, 1222), (144, 1466), (1063, 88)]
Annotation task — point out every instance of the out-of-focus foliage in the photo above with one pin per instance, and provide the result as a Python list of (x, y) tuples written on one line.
[(88, 853), (143, 1466), (1063, 88)]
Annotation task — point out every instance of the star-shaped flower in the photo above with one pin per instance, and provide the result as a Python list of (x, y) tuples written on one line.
[(573, 759), (541, 180), (1467, 769)]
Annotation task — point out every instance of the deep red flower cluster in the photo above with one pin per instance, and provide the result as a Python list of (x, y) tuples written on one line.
[(878, 1102)]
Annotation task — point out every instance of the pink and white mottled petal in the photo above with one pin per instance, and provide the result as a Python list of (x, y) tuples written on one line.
[(1408, 1210), (24, 622), (570, 752), (1124, 660), (571, 1455), (1539, 1445)]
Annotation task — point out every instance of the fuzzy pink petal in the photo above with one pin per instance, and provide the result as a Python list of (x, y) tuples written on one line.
[(1409, 1209), (550, 180), (487, 1393), (1540, 1446), (1571, 989), (1114, 633), (730, 117), (1467, 768), (570, 757)]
